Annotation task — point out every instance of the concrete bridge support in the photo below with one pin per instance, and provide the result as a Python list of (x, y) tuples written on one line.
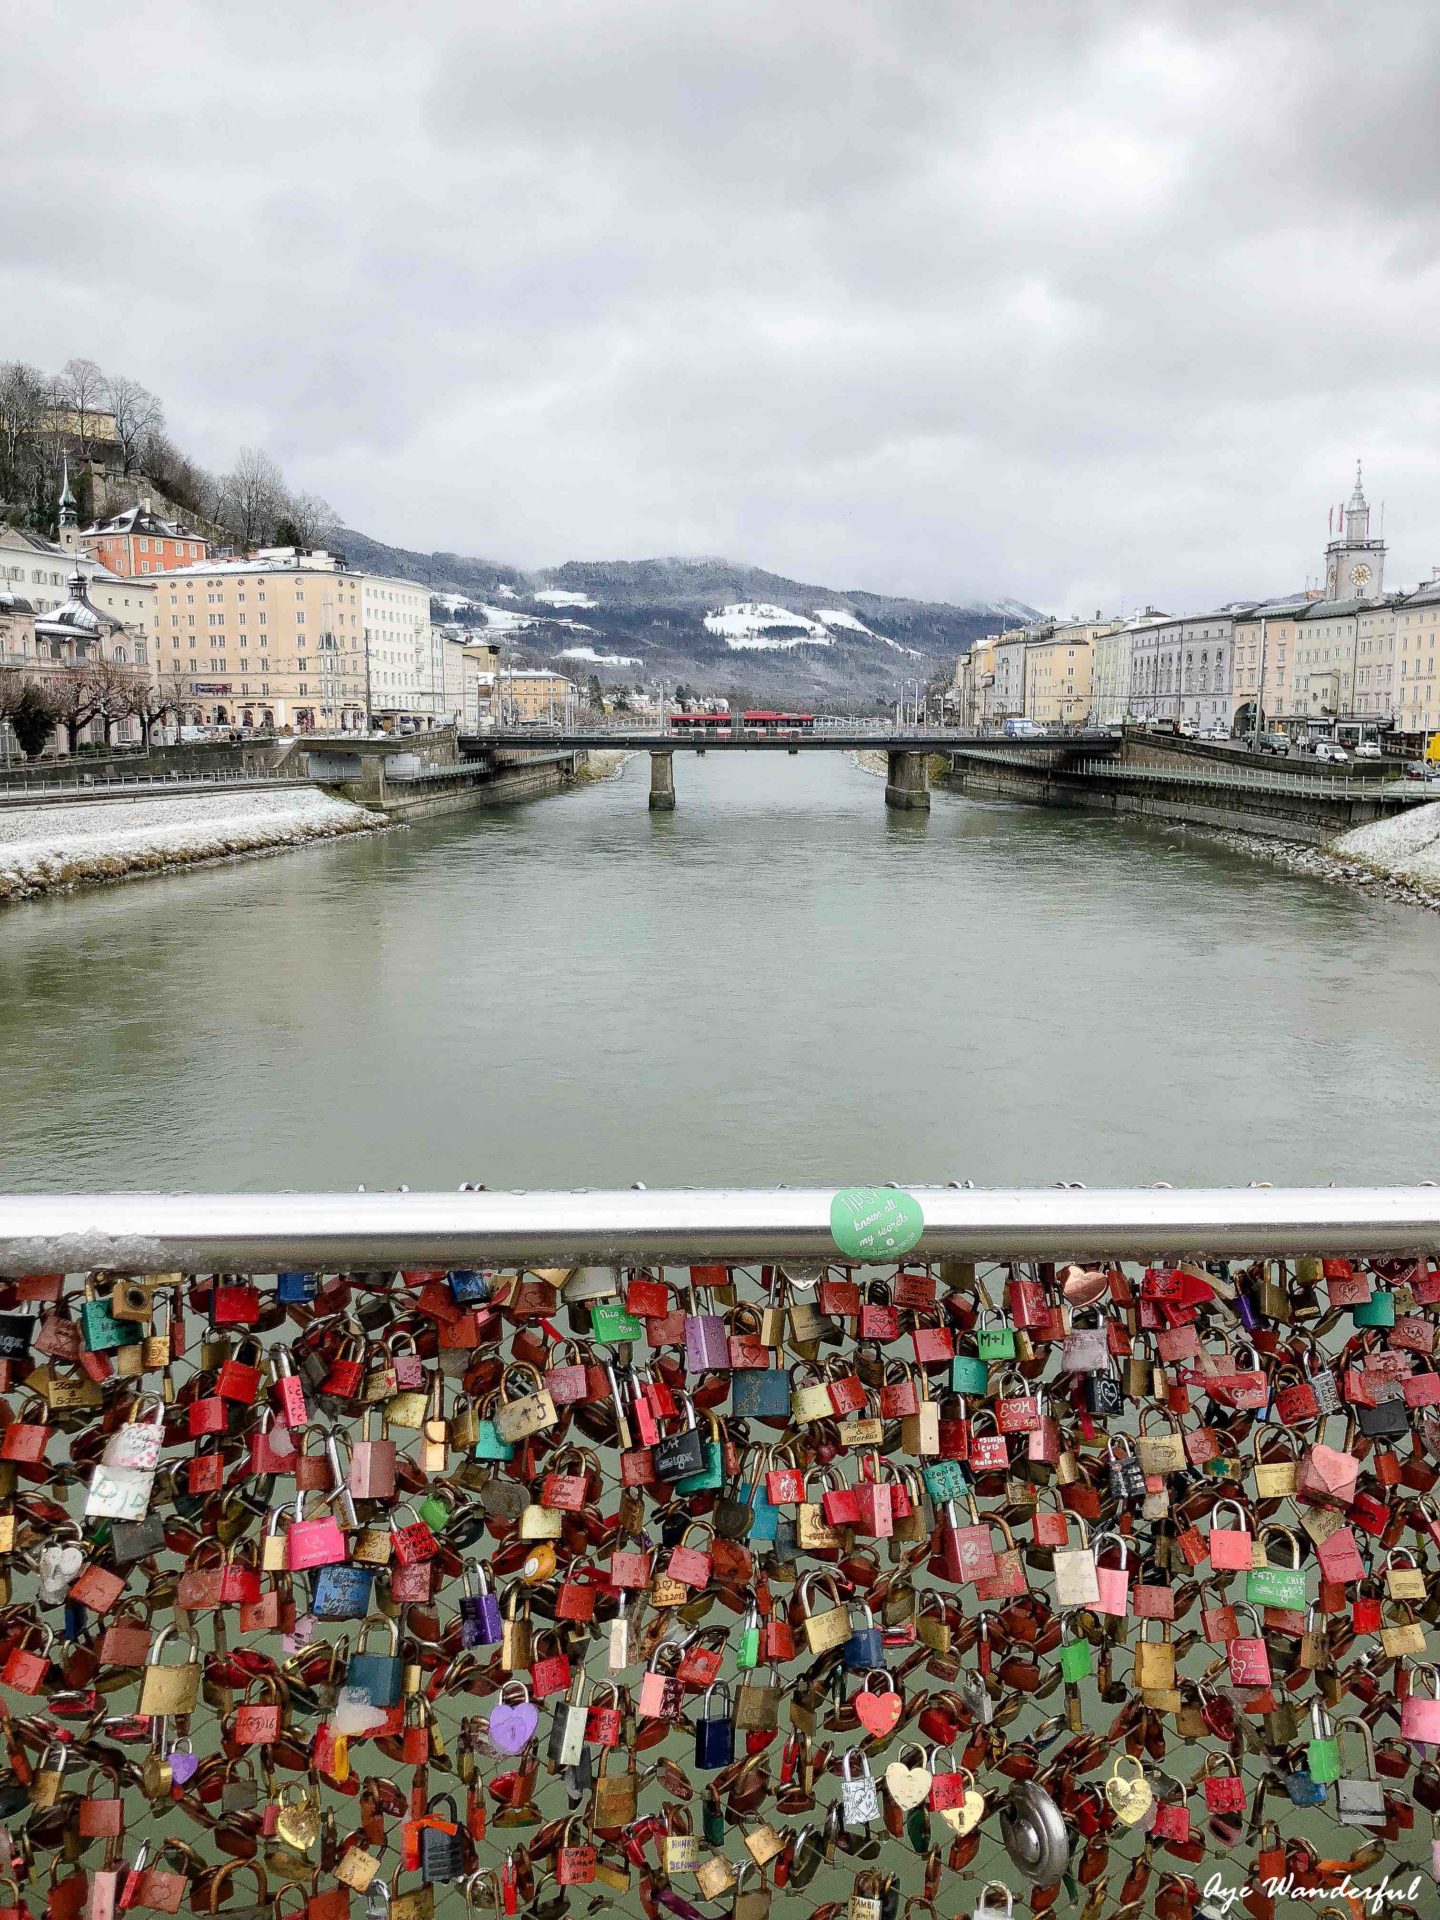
[(907, 783), (662, 783)]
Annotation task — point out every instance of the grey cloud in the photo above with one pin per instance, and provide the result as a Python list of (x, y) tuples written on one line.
[(1078, 304)]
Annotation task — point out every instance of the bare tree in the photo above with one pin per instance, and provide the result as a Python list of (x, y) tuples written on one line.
[(80, 389), (312, 521), (138, 417), (24, 403), (152, 702), (116, 686), (79, 695), (252, 497)]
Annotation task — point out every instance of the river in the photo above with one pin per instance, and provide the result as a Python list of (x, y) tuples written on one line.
[(779, 982)]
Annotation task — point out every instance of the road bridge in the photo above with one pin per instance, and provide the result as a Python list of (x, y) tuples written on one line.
[(907, 750)]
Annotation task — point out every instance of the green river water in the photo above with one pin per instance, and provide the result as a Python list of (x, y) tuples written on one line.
[(779, 982)]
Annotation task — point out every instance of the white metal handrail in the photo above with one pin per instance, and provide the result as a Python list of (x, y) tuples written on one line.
[(155, 1232)]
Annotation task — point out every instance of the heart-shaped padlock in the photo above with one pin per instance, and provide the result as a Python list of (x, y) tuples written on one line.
[(1128, 1794)]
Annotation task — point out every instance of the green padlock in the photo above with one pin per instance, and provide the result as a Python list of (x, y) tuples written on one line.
[(1322, 1750), (434, 1512), (612, 1323), (712, 1474), (100, 1331), (994, 1341), (968, 1375), (489, 1445), (747, 1653), (1377, 1311), (1077, 1660), (1267, 1586)]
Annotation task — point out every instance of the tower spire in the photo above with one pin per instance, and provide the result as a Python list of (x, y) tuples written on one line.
[(68, 517), (1357, 498)]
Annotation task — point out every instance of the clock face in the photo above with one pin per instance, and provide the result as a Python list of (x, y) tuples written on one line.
[(1361, 575)]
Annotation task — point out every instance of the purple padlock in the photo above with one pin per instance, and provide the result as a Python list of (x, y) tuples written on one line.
[(479, 1608), (707, 1344)]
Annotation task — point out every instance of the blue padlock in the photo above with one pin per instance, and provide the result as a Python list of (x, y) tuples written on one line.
[(469, 1285), (714, 1731), (341, 1592), (479, 1608), (296, 1287), (379, 1676), (865, 1649)]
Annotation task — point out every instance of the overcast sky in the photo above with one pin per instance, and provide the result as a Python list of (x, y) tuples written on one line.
[(1079, 303)]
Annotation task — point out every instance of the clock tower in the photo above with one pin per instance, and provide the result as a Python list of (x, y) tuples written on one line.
[(1354, 564)]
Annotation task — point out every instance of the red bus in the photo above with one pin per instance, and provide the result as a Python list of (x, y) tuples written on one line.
[(758, 720), (700, 722)]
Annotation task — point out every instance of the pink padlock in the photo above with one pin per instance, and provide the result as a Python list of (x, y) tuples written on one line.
[(1248, 1656), (1419, 1717), (1112, 1584), (313, 1543)]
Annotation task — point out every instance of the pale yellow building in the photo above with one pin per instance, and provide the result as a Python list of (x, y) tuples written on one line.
[(521, 696), (1058, 679), (271, 643), (1416, 703)]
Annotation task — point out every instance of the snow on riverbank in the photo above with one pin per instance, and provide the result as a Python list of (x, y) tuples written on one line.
[(51, 848), (1407, 845)]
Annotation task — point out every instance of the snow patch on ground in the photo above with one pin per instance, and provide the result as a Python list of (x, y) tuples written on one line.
[(557, 597), (507, 593), (47, 849), (911, 653), (601, 659), (757, 626), (1407, 844), (505, 620), (839, 617)]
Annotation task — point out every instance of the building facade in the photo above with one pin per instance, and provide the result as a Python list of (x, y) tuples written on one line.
[(1007, 690), (138, 541), (298, 642), (1416, 693), (1058, 679), (1180, 669), (1263, 652), (270, 643), (407, 672)]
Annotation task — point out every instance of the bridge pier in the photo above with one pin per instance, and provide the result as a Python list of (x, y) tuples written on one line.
[(907, 783), (662, 783)]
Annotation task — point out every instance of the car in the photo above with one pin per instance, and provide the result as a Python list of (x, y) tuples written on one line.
[(1422, 770), (1368, 750), (1017, 727), (1331, 752), (1217, 730), (1278, 743)]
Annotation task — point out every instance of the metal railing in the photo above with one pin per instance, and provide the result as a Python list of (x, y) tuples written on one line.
[(1308, 785), (159, 1233), (138, 782)]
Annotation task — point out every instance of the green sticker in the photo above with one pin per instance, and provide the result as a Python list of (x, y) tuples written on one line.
[(875, 1223)]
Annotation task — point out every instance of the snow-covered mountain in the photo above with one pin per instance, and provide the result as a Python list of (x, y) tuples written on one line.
[(722, 627)]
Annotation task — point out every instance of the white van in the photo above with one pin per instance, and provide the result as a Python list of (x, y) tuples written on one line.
[(1021, 728)]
